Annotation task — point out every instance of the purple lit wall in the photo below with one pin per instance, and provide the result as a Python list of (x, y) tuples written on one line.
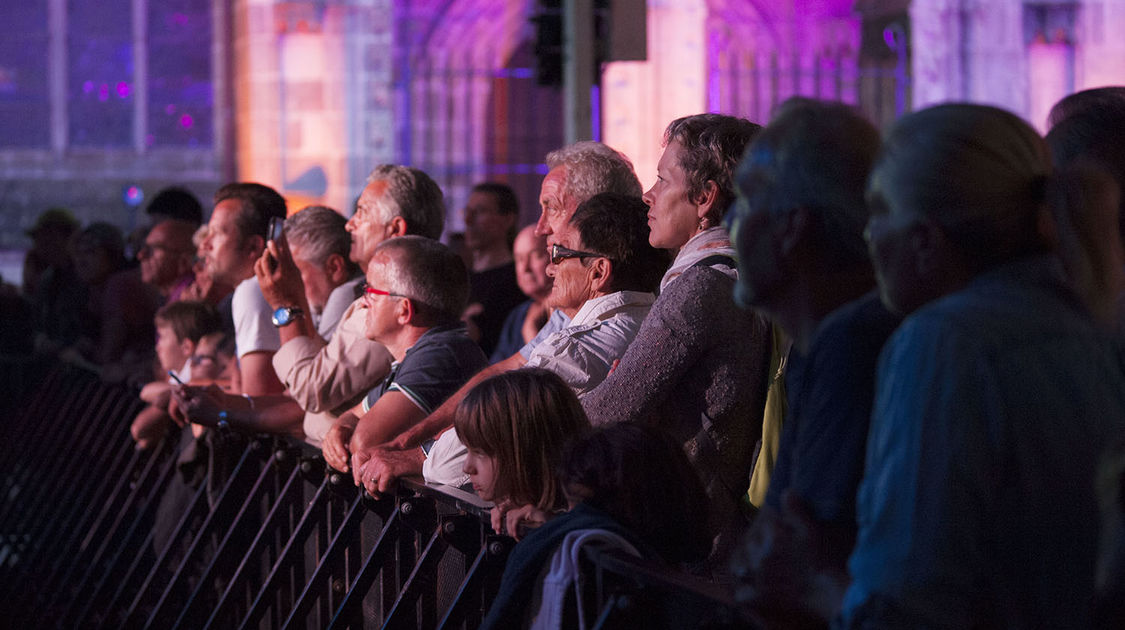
[(739, 57), (467, 108)]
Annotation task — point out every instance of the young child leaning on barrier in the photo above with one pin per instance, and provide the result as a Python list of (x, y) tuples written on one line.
[(180, 328), (631, 490), (514, 426)]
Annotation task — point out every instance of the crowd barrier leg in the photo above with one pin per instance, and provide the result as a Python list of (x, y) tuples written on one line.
[(94, 457), (99, 524), (269, 539), (106, 566), (249, 564), (44, 433), (327, 566), (226, 521)]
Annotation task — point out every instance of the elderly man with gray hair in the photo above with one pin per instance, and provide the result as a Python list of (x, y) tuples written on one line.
[(319, 244), (329, 377), (577, 172)]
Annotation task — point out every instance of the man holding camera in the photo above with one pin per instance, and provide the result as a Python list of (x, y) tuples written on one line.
[(329, 377)]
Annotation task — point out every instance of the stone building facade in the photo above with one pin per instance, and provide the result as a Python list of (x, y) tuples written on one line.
[(309, 95)]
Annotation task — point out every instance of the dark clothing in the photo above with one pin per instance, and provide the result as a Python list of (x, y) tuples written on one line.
[(529, 557), (437, 365), (58, 305), (511, 334), (978, 508), (829, 392), (496, 290), (698, 369)]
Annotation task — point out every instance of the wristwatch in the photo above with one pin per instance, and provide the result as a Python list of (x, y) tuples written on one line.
[(286, 315)]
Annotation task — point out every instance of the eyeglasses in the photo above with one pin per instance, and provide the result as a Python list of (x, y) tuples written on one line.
[(369, 291), (560, 253)]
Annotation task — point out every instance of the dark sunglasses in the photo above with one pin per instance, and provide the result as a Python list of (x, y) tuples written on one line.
[(560, 253)]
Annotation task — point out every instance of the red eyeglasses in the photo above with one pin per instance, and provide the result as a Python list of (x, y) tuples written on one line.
[(368, 291)]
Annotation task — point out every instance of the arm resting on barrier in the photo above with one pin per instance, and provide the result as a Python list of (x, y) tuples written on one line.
[(276, 413), (384, 467), (442, 417), (392, 414)]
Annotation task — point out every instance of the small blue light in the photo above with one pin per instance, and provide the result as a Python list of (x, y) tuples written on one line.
[(133, 196)]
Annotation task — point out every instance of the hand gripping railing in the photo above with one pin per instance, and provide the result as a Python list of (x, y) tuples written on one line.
[(266, 538), (276, 540)]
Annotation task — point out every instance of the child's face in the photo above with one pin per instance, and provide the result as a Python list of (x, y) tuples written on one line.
[(171, 352), (481, 470)]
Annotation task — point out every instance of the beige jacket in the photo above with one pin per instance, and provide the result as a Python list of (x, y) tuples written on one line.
[(328, 379)]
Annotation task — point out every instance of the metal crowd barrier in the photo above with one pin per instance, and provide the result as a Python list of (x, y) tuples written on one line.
[(267, 538)]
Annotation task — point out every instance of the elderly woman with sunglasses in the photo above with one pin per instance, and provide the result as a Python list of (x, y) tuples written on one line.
[(605, 276), (698, 366)]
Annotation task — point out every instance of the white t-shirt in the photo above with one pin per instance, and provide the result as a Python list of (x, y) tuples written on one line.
[(444, 460), (253, 325), (184, 373)]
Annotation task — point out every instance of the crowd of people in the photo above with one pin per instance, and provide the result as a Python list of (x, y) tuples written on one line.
[(861, 381)]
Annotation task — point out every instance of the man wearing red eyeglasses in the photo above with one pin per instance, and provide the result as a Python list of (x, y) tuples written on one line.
[(416, 290), (328, 377)]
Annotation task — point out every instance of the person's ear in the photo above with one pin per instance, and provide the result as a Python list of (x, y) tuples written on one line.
[(396, 227), (254, 244), (405, 312), (926, 240), (336, 268), (793, 228), (706, 199), (187, 346), (601, 274)]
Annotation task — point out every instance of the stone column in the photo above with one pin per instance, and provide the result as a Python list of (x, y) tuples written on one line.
[(1101, 48), (641, 97), (312, 108)]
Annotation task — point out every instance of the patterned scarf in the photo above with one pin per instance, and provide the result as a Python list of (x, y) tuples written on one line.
[(709, 242)]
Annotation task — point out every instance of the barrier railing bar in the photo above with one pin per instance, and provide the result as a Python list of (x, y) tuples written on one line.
[(42, 555), (459, 611), (478, 586), (404, 613), (38, 475), (142, 516), (377, 560), (324, 568), (64, 523), (60, 481), (218, 517), (22, 431), (158, 567), (103, 544), (110, 507), (284, 559), (241, 574)]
